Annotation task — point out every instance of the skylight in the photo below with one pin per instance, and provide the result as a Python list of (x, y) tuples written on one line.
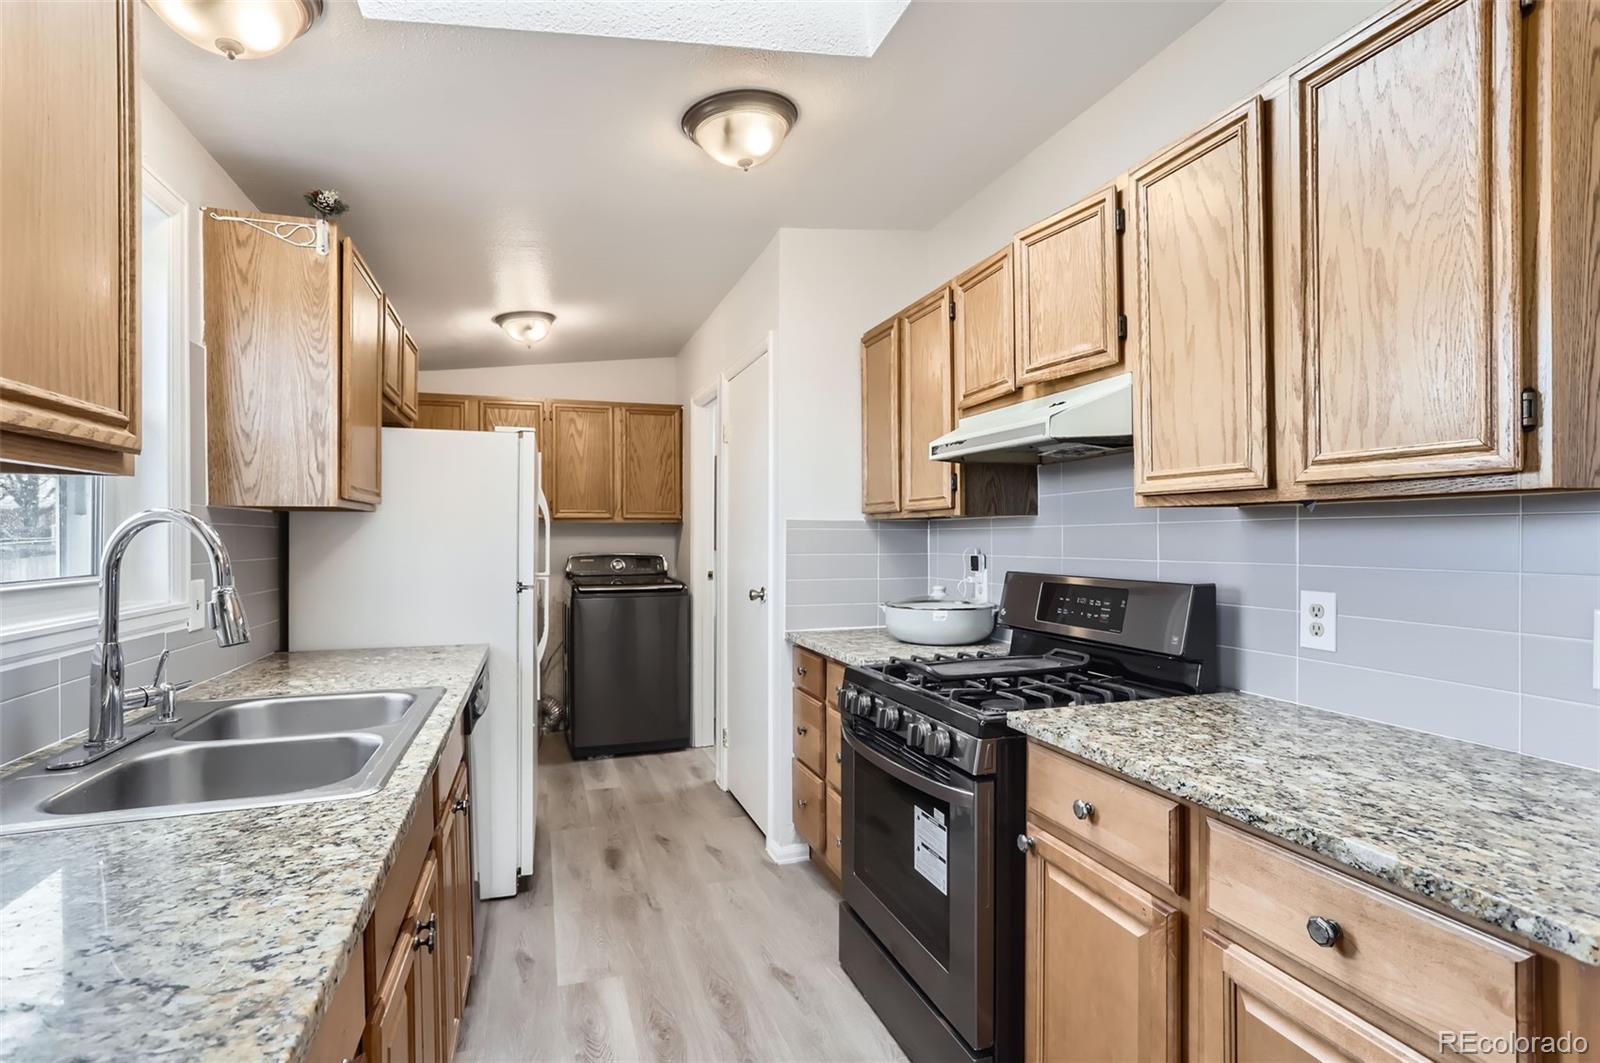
[(817, 27)]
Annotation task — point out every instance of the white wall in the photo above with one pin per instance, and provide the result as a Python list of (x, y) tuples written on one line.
[(622, 380)]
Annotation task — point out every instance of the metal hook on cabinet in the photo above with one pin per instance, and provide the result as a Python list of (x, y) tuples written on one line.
[(315, 234)]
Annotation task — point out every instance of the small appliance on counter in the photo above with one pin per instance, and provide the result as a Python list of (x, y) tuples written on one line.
[(627, 655), (934, 785)]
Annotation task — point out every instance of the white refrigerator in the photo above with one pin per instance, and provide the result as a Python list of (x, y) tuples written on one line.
[(458, 551)]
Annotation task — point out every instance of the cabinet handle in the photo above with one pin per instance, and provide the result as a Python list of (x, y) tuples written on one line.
[(432, 928), (1024, 843), (1083, 809), (462, 804), (1324, 932), (838, 841), (801, 730), (803, 802), (838, 758), (799, 669)]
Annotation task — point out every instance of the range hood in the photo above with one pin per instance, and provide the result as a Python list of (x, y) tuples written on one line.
[(1082, 422)]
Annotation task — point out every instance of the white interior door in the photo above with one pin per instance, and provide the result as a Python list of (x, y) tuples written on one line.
[(746, 590)]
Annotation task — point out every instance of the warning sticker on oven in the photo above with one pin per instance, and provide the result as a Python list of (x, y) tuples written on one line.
[(928, 848)]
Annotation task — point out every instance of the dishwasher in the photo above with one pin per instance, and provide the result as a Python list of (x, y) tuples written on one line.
[(627, 656)]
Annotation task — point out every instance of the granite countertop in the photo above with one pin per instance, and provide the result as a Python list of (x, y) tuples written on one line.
[(867, 645), (217, 936), (1504, 838)]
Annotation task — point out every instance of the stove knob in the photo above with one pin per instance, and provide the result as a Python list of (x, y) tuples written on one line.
[(889, 717), (917, 733), (866, 704), (847, 699), (937, 744)]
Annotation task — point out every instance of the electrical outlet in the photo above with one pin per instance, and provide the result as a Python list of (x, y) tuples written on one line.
[(1319, 621), (195, 618)]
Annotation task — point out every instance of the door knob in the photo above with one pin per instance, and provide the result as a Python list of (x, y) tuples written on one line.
[(758, 594)]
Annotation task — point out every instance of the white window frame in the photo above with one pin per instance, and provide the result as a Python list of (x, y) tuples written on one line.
[(61, 616)]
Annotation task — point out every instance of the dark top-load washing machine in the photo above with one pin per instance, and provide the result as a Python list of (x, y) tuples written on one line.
[(627, 655)]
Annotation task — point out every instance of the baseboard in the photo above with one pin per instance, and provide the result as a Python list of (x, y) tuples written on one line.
[(793, 853)]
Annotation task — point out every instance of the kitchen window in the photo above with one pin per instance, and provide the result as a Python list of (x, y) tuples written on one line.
[(52, 527)]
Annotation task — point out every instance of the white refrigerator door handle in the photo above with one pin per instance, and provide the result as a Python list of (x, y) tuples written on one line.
[(544, 515), (544, 618)]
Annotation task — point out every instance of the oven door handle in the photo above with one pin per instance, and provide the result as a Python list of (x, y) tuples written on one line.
[(932, 787)]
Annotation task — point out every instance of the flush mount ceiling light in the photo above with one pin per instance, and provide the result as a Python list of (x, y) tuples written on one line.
[(239, 29), (742, 128), (527, 327)]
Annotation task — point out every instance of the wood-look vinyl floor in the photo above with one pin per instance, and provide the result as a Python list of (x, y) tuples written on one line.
[(656, 929)]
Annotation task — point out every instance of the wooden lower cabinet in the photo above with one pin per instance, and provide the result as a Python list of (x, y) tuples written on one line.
[(1257, 1012), (818, 759), (1103, 977), (404, 1024), (421, 964)]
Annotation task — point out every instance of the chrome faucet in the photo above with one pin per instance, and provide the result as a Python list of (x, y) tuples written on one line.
[(108, 699)]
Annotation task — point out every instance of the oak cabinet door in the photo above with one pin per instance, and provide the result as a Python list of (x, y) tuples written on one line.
[(579, 461), (650, 456), (403, 1026), (880, 419), (927, 406), (69, 338), (510, 413), (361, 382), (466, 944), (453, 412), (985, 333), (409, 358), (1255, 1013), (1201, 416), (394, 331), (1101, 961), (1407, 151), (1068, 291)]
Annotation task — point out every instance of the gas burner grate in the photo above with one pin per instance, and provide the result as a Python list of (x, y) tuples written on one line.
[(987, 685)]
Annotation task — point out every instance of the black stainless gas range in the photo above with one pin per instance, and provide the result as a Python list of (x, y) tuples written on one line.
[(931, 927)]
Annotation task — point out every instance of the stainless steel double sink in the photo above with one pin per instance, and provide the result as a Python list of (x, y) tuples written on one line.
[(226, 755)]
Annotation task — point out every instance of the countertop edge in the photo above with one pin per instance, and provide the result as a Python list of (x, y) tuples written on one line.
[(1406, 877)]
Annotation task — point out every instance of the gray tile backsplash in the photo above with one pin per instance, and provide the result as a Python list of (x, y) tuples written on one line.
[(43, 700), (837, 572), (1470, 617)]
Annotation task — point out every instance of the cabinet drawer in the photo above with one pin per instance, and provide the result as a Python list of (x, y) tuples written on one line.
[(810, 672), (450, 758), (833, 843), (1136, 826), (808, 805), (1432, 972), (833, 751), (338, 1035), (808, 733), (835, 673)]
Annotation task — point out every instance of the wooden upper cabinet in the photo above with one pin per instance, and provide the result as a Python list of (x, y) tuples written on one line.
[(880, 419), (409, 359), (69, 194), (579, 461), (985, 332), (650, 462), (1201, 419), (1407, 143), (1102, 975), (361, 383), (927, 403), (458, 412), (394, 331), (510, 413), (1253, 1011), (1068, 291)]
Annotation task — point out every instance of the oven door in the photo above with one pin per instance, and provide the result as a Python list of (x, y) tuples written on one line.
[(919, 871)]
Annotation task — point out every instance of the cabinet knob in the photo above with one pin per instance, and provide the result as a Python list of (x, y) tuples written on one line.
[(1082, 809), (838, 758), (427, 935), (1324, 932), (838, 841), (801, 730), (1024, 843), (803, 802), (462, 804), (799, 669)]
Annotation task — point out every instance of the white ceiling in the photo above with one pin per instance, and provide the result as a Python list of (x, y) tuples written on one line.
[(837, 27), (492, 170)]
